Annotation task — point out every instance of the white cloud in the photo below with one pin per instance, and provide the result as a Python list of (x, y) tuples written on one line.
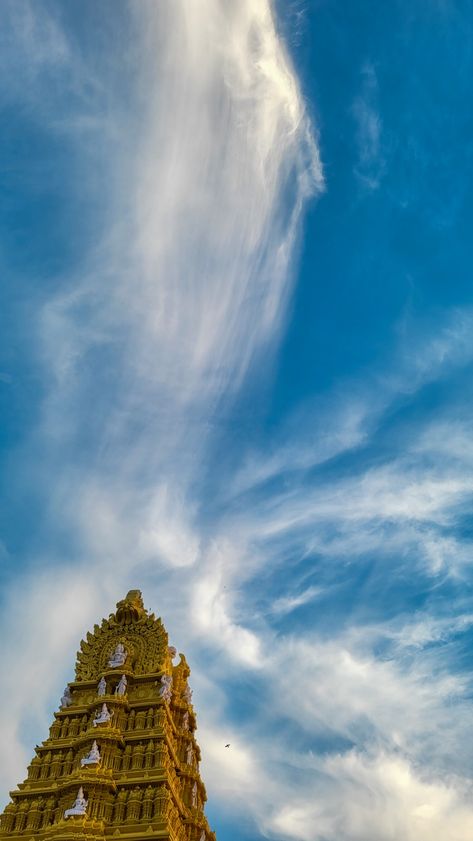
[(370, 164), (286, 604), (379, 798)]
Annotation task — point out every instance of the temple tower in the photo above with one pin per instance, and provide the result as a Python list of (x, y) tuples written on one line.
[(121, 760)]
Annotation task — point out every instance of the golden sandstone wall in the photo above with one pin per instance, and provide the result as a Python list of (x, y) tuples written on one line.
[(121, 760)]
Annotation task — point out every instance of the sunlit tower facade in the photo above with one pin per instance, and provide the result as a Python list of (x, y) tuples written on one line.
[(121, 760)]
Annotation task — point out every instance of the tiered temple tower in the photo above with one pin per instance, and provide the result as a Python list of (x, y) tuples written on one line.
[(121, 760)]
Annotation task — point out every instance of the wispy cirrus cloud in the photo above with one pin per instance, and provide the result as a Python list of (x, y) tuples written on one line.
[(154, 331), (370, 165)]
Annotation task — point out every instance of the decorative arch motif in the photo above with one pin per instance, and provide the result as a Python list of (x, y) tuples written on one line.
[(143, 636)]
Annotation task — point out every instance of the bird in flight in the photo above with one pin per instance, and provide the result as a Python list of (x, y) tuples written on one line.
[(227, 746)]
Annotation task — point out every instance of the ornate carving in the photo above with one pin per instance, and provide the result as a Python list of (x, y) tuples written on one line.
[(133, 809), (119, 656), (145, 641), (120, 805), (165, 690), (79, 807), (131, 608), (8, 817), (149, 753), (102, 716), (66, 699), (93, 757), (121, 686)]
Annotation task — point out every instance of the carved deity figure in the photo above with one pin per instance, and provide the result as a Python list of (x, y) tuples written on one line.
[(203, 835), (102, 687), (187, 694), (93, 757), (79, 807), (148, 802), (121, 687), (185, 720), (118, 657), (66, 699), (165, 689), (189, 755), (102, 716), (194, 796), (172, 651)]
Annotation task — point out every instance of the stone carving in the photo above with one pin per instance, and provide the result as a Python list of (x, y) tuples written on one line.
[(93, 757), (187, 694), (66, 699), (185, 721), (133, 808), (126, 758), (79, 807), (35, 814), (131, 608), (203, 835), (149, 755), (145, 639), (102, 716), (102, 687), (189, 754), (148, 803), (67, 767), (48, 811), (122, 797), (194, 796), (8, 817), (172, 651), (74, 728), (118, 657), (138, 756), (165, 689), (121, 687), (21, 816)]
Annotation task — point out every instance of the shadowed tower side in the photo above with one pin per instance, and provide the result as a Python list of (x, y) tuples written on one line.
[(121, 760)]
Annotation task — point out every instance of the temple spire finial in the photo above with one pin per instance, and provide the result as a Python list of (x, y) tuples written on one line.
[(131, 608)]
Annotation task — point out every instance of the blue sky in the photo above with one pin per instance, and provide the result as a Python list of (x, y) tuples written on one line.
[(235, 371)]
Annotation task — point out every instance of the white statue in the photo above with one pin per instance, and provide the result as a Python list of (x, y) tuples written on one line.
[(102, 687), (121, 687), (172, 651), (66, 699), (185, 720), (93, 757), (194, 796), (103, 716), (189, 755), (118, 657), (165, 689), (79, 807), (187, 694), (203, 836)]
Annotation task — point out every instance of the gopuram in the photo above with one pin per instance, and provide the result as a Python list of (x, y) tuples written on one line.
[(121, 760)]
